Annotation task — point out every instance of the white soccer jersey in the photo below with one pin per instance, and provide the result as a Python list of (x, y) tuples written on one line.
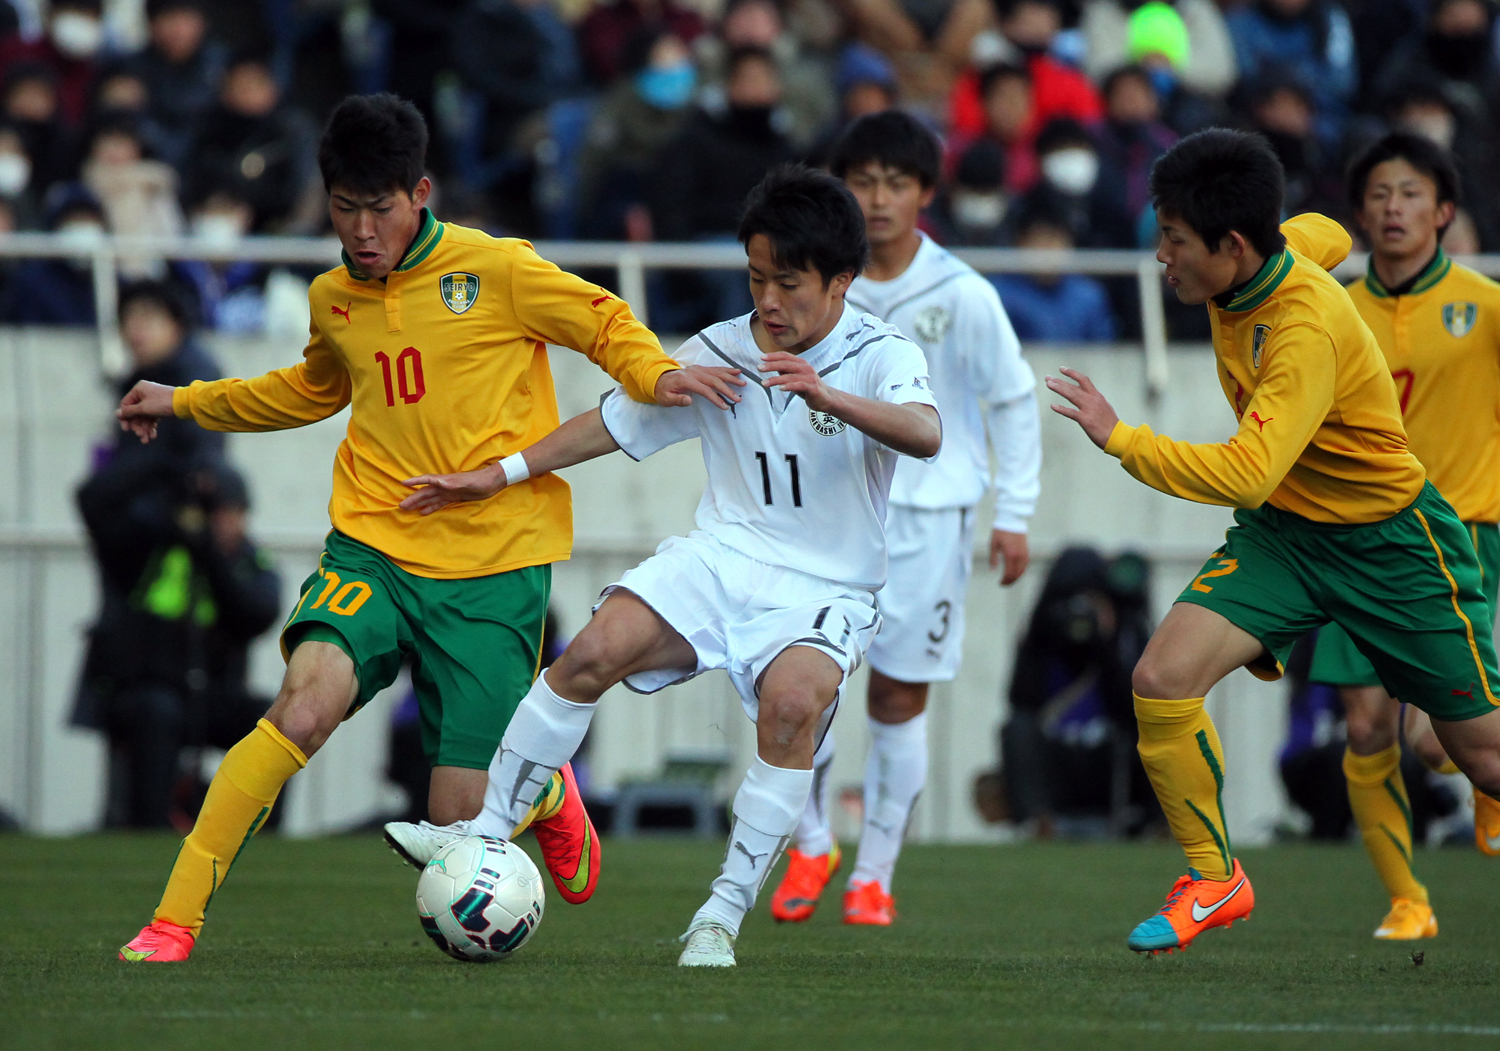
[(973, 357), (787, 485)]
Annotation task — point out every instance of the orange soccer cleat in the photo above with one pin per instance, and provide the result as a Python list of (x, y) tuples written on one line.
[(159, 942), (1193, 906), (806, 876), (1408, 920), (867, 905), (570, 846), (1486, 824)]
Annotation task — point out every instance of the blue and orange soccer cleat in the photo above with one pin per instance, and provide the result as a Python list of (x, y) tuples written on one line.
[(806, 876), (865, 904), (570, 846), (159, 942), (1193, 906)]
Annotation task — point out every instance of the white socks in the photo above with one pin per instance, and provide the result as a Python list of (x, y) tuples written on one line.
[(814, 835), (895, 772), (543, 735), (766, 809)]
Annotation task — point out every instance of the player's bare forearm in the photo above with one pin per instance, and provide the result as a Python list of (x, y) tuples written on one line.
[(142, 406), (1086, 406), (581, 438), (910, 428)]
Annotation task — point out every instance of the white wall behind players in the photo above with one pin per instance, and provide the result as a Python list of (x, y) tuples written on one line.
[(53, 409)]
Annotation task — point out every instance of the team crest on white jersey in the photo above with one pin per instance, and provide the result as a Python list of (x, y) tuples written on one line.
[(824, 423), (1459, 318), (1258, 344), (931, 325), (459, 291)]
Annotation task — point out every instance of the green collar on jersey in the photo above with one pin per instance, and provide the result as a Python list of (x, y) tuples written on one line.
[(1423, 280), (429, 233), (1266, 280)]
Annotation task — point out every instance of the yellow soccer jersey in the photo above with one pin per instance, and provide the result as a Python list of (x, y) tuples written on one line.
[(445, 364), (1320, 431), (1441, 339)]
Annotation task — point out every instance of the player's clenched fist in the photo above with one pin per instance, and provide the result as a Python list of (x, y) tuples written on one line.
[(142, 406)]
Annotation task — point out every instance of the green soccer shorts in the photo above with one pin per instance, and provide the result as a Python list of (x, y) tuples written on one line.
[(1407, 590), (474, 644), (1338, 662)]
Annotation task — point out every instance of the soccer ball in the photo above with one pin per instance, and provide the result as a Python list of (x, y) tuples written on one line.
[(480, 899)]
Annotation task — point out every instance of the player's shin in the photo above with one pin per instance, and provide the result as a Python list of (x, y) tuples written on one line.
[(1377, 796), (814, 836), (766, 809), (895, 774), (543, 735), (239, 798), (1180, 750)]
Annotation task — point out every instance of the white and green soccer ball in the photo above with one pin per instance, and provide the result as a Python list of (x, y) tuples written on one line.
[(480, 899)]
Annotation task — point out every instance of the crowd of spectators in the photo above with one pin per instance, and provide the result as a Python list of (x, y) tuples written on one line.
[(648, 119)]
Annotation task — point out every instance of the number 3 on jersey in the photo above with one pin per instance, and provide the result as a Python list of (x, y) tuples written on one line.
[(765, 478), (408, 376)]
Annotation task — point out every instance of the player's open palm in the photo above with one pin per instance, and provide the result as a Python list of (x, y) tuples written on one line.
[(1087, 407), (142, 406), (436, 491)]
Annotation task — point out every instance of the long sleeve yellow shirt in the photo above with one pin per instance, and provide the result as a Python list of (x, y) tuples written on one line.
[(445, 365), (1320, 431), (1441, 340)]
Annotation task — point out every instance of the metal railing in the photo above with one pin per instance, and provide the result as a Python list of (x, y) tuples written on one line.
[(629, 260)]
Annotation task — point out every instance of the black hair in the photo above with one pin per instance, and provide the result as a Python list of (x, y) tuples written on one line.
[(999, 71), (810, 218), (892, 139), (981, 166), (1220, 180), (1419, 151), (373, 144), (165, 294), (636, 54), (1061, 133), (1004, 9), (155, 8), (1042, 209)]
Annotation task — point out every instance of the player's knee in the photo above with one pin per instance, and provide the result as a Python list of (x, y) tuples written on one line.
[(305, 716), (790, 712), (1153, 678), (1485, 774), (896, 702), (587, 667), (1368, 735)]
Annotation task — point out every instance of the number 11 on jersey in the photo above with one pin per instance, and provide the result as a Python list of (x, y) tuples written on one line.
[(765, 477)]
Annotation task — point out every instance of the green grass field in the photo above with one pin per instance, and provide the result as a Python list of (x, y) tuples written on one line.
[(315, 944)]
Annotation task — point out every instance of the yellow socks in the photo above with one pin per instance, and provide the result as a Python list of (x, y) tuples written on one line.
[(1377, 795), (239, 798), (547, 804), (1180, 750)]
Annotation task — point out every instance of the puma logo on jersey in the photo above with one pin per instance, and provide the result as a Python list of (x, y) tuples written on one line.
[(741, 848), (601, 299), (345, 312), (1262, 423), (1469, 693)]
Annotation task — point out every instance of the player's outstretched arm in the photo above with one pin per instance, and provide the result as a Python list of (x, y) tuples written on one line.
[(142, 406), (911, 428), (581, 438)]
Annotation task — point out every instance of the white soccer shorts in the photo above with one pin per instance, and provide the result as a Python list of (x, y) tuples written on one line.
[(739, 614), (922, 604)]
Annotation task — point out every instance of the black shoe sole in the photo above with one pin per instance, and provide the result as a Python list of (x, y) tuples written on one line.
[(400, 851)]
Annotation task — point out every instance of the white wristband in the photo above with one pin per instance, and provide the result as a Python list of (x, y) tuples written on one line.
[(515, 469)]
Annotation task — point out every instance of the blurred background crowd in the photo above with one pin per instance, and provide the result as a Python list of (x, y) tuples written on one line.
[(649, 119)]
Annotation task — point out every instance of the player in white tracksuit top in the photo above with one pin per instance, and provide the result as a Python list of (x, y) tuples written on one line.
[(987, 395), (777, 583)]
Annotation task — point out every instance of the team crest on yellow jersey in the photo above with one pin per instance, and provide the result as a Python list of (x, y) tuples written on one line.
[(1459, 318), (1258, 344), (459, 291)]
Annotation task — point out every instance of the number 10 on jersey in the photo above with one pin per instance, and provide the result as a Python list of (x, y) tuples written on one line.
[(765, 477)]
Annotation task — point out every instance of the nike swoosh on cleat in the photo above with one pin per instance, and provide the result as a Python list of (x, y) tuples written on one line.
[(135, 956), (1201, 914), (580, 878)]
